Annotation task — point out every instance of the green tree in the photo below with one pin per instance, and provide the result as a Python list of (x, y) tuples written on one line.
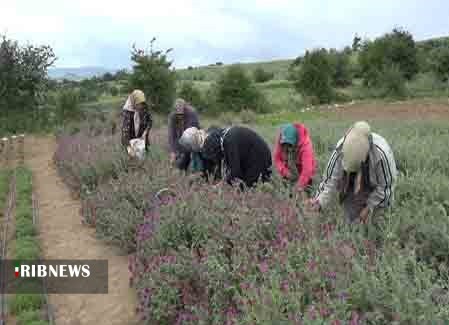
[(121, 75), (23, 82), (260, 75), (114, 91), (152, 73), (67, 105), (393, 49), (392, 82), (356, 43), (191, 94), (314, 79), (439, 62), (341, 68), (108, 77), (236, 92)]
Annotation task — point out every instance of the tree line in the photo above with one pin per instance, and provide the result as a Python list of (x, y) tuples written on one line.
[(384, 64)]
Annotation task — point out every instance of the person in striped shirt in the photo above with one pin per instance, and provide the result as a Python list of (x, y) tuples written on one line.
[(362, 170)]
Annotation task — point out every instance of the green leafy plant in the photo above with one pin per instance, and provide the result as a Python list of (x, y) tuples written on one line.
[(314, 78), (260, 75), (152, 73), (192, 95), (24, 82), (236, 92), (26, 302), (396, 49)]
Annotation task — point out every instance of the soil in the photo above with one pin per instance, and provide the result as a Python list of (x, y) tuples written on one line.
[(62, 236), (408, 110)]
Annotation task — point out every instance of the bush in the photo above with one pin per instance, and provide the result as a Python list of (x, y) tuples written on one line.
[(5, 177), (260, 75), (191, 94), (89, 94), (393, 49), (26, 317), (342, 74), (315, 76), (425, 84), (26, 302), (114, 91), (68, 105), (24, 82), (236, 92), (152, 74), (392, 83), (25, 227), (248, 117), (440, 62), (27, 249)]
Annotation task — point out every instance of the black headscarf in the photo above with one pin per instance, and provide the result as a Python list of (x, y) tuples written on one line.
[(212, 149)]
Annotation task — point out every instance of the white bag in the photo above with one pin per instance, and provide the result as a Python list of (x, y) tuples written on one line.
[(137, 148)]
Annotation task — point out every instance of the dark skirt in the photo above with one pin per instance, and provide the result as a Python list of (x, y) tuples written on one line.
[(128, 130)]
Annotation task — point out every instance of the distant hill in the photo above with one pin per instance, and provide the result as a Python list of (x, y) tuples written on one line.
[(278, 67), (212, 72), (77, 73)]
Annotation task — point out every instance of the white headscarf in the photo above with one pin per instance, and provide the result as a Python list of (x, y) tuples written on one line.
[(193, 139), (136, 97), (356, 146)]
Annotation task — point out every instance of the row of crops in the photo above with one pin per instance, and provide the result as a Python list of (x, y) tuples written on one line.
[(214, 256), (19, 240)]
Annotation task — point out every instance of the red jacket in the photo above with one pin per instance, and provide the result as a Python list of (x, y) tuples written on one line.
[(306, 161)]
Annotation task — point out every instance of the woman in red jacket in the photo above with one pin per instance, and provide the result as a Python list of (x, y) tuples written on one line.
[(294, 156)]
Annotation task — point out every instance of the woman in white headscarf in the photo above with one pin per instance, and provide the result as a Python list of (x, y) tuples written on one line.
[(137, 120), (192, 140)]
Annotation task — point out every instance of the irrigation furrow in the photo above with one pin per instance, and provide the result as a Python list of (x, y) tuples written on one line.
[(49, 309)]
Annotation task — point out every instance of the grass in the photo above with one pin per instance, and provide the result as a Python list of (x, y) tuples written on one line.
[(28, 317), (5, 177), (282, 96), (212, 73), (27, 307), (105, 104), (24, 303)]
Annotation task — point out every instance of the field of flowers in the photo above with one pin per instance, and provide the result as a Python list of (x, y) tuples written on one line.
[(215, 256)]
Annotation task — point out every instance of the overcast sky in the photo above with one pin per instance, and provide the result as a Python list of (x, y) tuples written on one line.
[(101, 32)]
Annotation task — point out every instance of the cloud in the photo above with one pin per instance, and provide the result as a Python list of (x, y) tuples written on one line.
[(100, 32)]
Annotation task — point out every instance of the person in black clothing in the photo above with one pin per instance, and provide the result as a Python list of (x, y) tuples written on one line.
[(246, 156)]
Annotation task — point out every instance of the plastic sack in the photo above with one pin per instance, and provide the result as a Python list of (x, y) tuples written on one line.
[(137, 148)]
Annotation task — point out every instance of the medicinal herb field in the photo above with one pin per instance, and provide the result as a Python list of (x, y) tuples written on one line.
[(212, 256)]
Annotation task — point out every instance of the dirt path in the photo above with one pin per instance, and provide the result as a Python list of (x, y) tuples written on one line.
[(63, 237)]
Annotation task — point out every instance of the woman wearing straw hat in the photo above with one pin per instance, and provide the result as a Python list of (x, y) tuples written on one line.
[(362, 170)]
